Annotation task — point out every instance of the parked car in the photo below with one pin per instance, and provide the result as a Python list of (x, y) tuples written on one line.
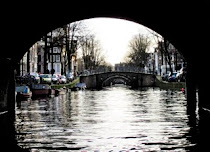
[(86, 73), (45, 78), (55, 79), (181, 75), (172, 77), (36, 77), (63, 79), (70, 77), (165, 76), (28, 79)]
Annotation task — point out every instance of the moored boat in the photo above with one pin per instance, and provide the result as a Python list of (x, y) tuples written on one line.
[(23, 92), (79, 86), (42, 90)]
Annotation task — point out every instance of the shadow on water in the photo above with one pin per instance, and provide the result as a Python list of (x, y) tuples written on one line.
[(203, 130)]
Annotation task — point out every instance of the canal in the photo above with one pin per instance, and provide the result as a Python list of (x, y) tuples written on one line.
[(113, 119)]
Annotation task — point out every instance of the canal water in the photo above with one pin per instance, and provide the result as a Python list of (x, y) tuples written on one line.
[(113, 119)]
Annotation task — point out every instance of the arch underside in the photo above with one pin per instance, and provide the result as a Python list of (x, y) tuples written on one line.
[(109, 79), (36, 24), (23, 24)]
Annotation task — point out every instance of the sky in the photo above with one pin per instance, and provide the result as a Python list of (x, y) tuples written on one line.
[(114, 36)]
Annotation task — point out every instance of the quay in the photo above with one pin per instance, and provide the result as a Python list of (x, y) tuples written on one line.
[(169, 85)]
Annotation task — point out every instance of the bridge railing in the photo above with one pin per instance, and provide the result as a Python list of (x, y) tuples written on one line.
[(134, 71), (140, 70)]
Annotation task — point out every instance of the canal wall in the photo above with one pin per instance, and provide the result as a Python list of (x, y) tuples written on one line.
[(169, 85), (90, 81), (146, 80), (67, 85)]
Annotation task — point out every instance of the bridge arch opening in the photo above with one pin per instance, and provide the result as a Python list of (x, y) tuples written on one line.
[(76, 39), (115, 79)]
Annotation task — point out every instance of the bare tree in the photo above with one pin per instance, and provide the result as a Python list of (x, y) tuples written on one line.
[(74, 36), (91, 52), (67, 38), (138, 50), (167, 53), (163, 47)]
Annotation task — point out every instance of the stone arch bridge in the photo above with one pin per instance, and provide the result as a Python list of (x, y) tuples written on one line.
[(133, 79), (186, 26)]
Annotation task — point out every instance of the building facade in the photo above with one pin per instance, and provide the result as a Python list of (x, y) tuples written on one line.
[(36, 59), (55, 60), (28, 64), (161, 59)]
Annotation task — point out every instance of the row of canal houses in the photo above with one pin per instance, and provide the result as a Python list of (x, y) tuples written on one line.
[(156, 62), (35, 61)]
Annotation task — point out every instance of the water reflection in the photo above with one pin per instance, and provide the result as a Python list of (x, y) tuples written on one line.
[(113, 119)]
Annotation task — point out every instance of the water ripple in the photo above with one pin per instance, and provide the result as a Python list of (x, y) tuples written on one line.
[(114, 119)]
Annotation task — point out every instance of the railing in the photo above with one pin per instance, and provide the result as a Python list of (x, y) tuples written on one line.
[(129, 70)]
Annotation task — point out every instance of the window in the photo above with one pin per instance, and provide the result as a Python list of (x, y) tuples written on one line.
[(52, 58), (39, 58), (58, 68), (55, 50), (39, 68), (59, 50), (57, 58)]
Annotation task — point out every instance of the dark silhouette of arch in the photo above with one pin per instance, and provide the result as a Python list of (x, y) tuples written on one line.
[(126, 78), (184, 25)]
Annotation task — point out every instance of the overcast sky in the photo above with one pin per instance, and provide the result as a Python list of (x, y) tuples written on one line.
[(114, 35)]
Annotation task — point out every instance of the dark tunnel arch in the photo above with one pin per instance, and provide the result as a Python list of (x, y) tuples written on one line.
[(184, 25), (177, 28), (31, 31)]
